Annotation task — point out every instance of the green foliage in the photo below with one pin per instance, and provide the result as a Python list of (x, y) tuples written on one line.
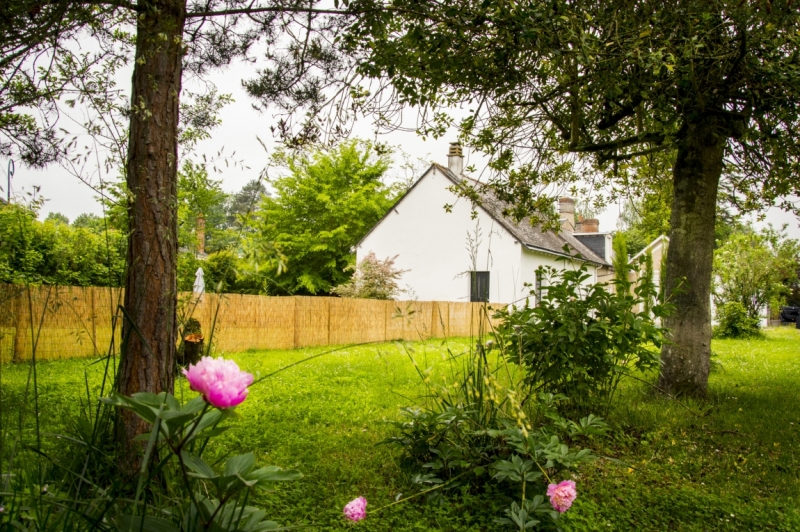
[(649, 275), (201, 210), (485, 428), (57, 218), (53, 252), (372, 279), (90, 221), (735, 322), (580, 340), (755, 269), (321, 209), (243, 204), (647, 217), (221, 271), (619, 246), (602, 82), (187, 268)]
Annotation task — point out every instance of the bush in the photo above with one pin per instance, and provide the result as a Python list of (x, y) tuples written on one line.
[(580, 340), (485, 429), (734, 322), (372, 279)]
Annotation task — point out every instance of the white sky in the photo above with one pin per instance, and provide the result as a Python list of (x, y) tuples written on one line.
[(241, 125)]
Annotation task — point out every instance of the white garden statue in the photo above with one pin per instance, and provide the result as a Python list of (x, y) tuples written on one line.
[(199, 283)]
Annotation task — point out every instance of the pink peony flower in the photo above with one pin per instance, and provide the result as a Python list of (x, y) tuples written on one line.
[(356, 510), (220, 381), (562, 494)]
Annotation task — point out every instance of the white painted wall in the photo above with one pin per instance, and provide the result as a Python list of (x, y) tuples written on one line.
[(433, 245)]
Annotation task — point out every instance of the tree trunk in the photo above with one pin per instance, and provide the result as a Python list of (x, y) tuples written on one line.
[(685, 357), (149, 326)]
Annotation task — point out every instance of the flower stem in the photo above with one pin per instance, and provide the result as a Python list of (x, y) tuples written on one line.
[(442, 485)]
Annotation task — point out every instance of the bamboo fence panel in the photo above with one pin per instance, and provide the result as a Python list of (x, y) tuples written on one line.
[(77, 322), (356, 321), (312, 321)]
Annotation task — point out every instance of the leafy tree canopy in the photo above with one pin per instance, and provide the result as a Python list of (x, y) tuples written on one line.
[(603, 83), (53, 252), (756, 269), (245, 202), (201, 210), (322, 207)]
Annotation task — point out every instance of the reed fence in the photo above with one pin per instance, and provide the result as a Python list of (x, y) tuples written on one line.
[(67, 322)]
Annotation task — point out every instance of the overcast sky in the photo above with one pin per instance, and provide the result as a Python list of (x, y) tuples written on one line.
[(240, 129)]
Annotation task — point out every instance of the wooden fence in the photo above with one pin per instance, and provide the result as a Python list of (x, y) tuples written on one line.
[(67, 322)]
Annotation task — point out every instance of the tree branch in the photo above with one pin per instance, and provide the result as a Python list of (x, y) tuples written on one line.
[(628, 156), (271, 9), (647, 138)]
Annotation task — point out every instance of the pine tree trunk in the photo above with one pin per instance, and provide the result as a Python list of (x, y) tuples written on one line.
[(685, 358), (149, 327)]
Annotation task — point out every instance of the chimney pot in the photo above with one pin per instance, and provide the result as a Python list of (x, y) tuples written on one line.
[(455, 159)]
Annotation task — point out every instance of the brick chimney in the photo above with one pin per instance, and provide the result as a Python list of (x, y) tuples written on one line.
[(588, 225), (566, 211), (455, 159), (201, 234)]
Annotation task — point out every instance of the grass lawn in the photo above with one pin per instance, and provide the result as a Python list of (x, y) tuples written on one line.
[(730, 463)]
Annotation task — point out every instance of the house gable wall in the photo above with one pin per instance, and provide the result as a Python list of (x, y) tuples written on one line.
[(433, 244), (439, 248)]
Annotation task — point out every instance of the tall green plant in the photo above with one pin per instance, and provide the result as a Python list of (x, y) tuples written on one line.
[(483, 425), (620, 261), (581, 339), (649, 274)]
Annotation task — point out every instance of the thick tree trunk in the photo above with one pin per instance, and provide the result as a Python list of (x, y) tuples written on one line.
[(149, 329), (685, 357)]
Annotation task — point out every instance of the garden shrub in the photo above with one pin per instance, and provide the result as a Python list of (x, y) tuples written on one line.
[(734, 322), (579, 340), (372, 279), (484, 429), (501, 418)]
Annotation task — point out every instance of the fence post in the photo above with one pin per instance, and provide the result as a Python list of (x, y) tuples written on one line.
[(94, 320), (296, 321), (328, 309), (19, 325)]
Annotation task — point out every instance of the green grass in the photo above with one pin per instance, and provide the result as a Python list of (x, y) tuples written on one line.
[(730, 463)]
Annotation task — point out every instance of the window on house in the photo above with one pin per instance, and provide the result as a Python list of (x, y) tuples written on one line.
[(479, 286)]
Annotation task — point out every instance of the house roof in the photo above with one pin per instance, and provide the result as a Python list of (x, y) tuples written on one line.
[(530, 236)]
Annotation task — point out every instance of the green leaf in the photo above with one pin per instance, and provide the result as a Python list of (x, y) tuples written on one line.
[(175, 420), (136, 523), (240, 465), (199, 468), (274, 474)]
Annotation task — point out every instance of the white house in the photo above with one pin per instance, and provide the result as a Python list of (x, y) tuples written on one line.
[(454, 251)]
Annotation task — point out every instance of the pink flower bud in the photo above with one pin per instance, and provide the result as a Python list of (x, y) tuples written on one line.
[(220, 381), (562, 494), (356, 510)]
